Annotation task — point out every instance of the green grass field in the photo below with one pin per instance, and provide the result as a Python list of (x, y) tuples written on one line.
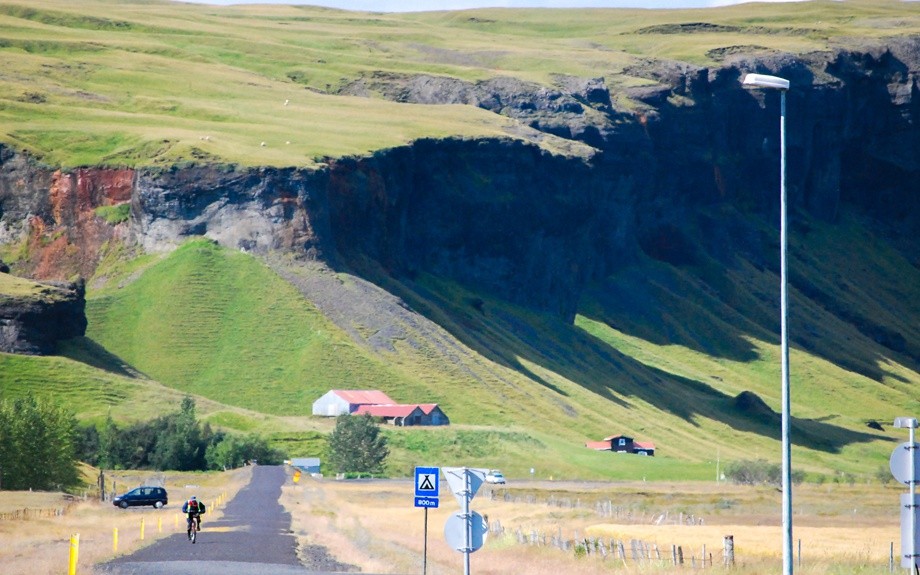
[(160, 83)]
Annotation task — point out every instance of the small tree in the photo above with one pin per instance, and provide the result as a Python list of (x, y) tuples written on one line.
[(356, 445), (231, 451), (37, 445)]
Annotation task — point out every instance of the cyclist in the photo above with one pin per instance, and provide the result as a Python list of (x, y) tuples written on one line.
[(193, 510)]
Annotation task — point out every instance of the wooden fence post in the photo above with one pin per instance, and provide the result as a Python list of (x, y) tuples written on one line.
[(728, 551)]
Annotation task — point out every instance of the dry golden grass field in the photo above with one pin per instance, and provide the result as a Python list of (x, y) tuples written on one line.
[(374, 526), (39, 543), (843, 528)]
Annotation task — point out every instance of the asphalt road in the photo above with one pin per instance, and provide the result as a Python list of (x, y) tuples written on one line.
[(252, 538)]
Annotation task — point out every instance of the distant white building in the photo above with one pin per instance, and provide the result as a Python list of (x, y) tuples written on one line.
[(306, 464), (347, 401)]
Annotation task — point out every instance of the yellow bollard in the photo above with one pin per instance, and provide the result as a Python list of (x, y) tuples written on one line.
[(74, 553), (142, 528), (159, 524), (115, 540), (177, 521)]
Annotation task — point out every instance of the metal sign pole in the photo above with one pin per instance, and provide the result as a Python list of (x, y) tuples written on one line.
[(913, 506), (425, 546), (904, 468), (469, 521)]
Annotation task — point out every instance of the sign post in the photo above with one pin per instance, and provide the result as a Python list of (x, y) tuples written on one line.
[(465, 482), (427, 490), (904, 467)]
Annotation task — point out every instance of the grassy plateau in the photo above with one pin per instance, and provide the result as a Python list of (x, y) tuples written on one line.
[(109, 82)]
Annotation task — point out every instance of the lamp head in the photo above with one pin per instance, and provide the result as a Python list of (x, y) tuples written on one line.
[(905, 422), (765, 81)]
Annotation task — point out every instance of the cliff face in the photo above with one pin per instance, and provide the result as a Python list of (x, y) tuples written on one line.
[(54, 215), (512, 219), (34, 325)]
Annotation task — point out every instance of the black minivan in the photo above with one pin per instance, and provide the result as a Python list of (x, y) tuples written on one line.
[(155, 496)]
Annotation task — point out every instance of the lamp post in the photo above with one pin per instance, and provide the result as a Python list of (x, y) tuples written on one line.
[(781, 84)]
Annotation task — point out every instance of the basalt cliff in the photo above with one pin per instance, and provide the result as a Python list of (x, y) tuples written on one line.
[(688, 175)]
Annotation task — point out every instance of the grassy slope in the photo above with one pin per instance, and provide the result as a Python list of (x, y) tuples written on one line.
[(531, 389), (190, 319), (219, 324), (558, 384), (148, 81)]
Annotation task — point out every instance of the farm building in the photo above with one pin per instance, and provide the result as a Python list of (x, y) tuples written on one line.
[(643, 448), (406, 414), (341, 401), (433, 415), (622, 444), (378, 404), (306, 464), (394, 414)]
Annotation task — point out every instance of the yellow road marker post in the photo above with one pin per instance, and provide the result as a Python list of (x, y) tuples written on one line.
[(74, 553)]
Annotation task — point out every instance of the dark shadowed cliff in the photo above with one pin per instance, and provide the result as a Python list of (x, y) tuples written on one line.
[(515, 220)]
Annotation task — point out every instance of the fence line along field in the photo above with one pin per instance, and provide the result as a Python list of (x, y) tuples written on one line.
[(36, 527), (583, 528)]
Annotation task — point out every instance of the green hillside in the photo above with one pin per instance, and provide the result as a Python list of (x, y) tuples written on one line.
[(189, 319), (219, 324), (107, 82), (524, 389)]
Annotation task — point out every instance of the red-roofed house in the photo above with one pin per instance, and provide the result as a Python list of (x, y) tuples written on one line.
[(339, 401), (394, 414), (378, 404), (433, 415), (622, 444)]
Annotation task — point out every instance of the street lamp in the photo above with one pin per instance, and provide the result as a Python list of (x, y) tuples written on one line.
[(781, 84)]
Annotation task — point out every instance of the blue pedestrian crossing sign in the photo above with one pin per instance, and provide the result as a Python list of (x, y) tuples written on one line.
[(427, 486)]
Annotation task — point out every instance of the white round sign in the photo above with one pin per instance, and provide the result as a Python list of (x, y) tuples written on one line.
[(900, 463), (455, 531)]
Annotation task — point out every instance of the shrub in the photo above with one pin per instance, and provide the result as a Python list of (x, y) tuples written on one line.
[(114, 214), (754, 472)]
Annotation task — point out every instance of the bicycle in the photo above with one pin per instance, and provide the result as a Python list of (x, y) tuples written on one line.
[(193, 528)]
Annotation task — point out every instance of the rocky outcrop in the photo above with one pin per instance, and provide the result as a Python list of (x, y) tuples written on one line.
[(57, 216), (512, 219), (34, 323)]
